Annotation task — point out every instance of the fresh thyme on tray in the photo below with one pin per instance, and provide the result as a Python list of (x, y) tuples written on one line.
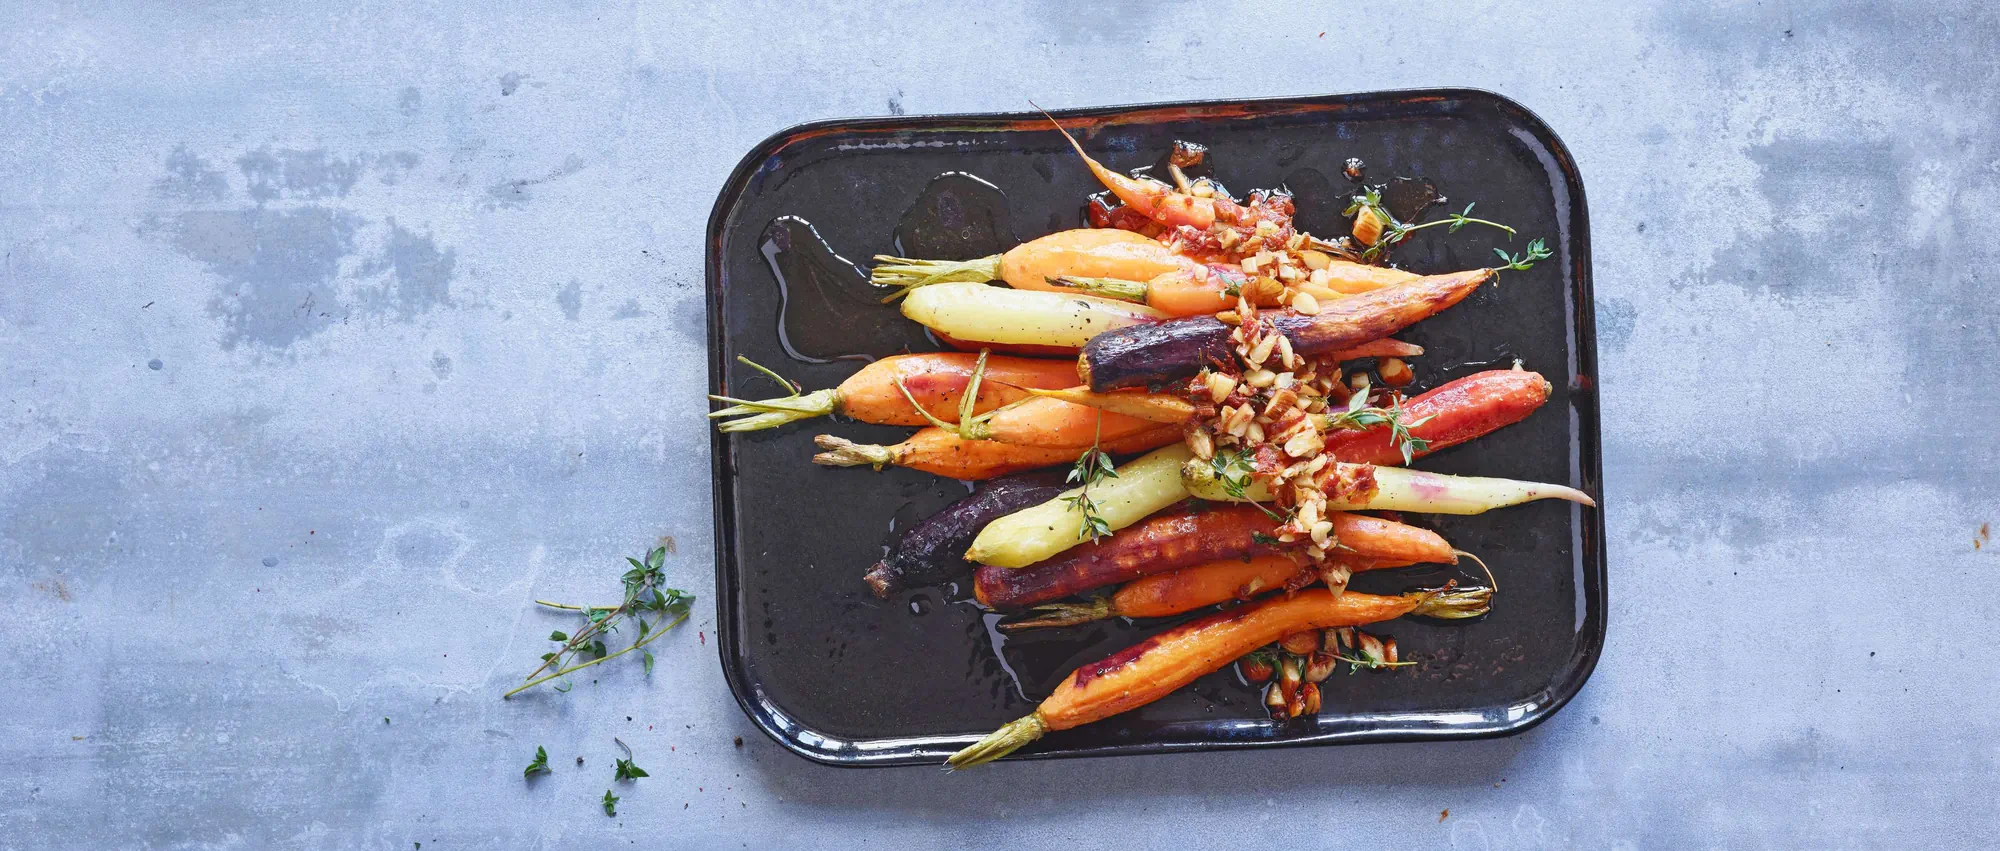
[(1231, 354)]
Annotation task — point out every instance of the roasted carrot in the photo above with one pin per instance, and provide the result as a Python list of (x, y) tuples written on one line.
[(933, 550), (937, 381), (1187, 589), (997, 316), (1448, 415), (1155, 407), (942, 452), (1383, 348), (1349, 277), (1177, 348), (1163, 202), (1090, 252), (1186, 292), (1366, 487), (1184, 539), (1213, 287), (1136, 490), (1151, 669), (1053, 423)]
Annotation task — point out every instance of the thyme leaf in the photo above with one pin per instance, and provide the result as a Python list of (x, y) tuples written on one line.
[(540, 765)]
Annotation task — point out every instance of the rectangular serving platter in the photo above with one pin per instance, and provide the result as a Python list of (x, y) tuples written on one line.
[(840, 677)]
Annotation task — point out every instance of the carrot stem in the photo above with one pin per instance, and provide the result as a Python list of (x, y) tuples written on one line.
[(905, 274)]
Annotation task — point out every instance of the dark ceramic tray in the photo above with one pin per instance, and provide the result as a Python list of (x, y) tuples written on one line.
[(840, 677)]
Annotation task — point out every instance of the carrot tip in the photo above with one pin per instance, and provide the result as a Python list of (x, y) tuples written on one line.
[(1062, 614), (842, 452)]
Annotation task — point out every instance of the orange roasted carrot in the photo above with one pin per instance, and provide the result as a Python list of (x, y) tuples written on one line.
[(1451, 414), (1053, 424), (1187, 589), (1089, 252), (1176, 540), (937, 381), (1383, 348), (1345, 276), (1153, 407), (942, 452), (1151, 669)]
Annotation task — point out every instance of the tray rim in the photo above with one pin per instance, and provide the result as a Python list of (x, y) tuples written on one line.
[(930, 751)]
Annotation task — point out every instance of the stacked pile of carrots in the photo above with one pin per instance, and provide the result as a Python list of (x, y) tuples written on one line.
[(1184, 290)]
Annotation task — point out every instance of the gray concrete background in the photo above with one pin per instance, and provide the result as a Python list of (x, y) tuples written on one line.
[(330, 337)]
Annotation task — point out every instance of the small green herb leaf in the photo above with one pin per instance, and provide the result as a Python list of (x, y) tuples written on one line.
[(1092, 467), (610, 803), (558, 635), (628, 771), (540, 765)]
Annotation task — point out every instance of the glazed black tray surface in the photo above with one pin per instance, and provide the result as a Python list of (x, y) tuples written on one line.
[(841, 677)]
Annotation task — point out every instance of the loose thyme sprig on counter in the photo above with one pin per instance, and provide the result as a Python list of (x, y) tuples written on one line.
[(645, 593)]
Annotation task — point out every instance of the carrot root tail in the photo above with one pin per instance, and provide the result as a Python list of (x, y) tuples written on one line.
[(1062, 614), (770, 413), (904, 274), (999, 743), (1454, 603), (841, 452)]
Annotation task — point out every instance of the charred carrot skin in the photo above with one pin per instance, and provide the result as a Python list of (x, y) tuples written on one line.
[(933, 550), (1159, 544), (1158, 353), (1174, 541), (1459, 411), (937, 381), (942, 452), (1147, 671)]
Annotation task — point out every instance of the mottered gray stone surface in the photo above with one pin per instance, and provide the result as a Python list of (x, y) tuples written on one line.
[(330, 337)]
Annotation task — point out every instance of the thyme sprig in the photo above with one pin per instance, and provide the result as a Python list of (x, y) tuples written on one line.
[(1355, 665), (646, 594), (1521, 262), (1233, 470), (1092, 467), (1361, 416), (1394, 231)]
